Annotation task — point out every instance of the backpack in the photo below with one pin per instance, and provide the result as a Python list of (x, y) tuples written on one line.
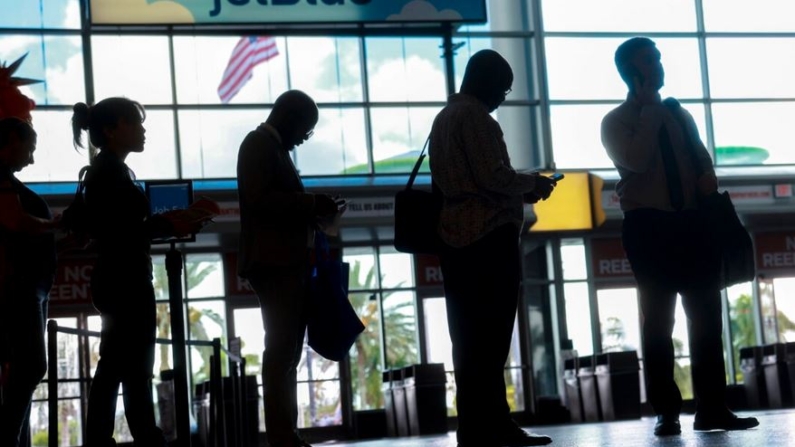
[(75, 218)]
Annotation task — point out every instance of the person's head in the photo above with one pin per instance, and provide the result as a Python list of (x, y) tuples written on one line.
[(113, 124), (488, 77), (294, 116), (17, 143), (639, 58)]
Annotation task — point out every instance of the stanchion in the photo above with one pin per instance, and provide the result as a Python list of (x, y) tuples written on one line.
[(52, 382), (181, 392)]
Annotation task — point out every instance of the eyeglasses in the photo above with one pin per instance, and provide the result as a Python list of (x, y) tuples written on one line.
[(309, 134), (507, 92)]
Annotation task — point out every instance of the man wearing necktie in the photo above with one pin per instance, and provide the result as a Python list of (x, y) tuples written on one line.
[(665, 170)]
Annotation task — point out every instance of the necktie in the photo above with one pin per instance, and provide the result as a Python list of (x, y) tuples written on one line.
[(671, 170)]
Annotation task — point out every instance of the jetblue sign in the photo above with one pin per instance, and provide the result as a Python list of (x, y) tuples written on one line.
[(144, 12)]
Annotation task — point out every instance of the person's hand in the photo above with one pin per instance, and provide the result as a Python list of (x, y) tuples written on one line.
[(179, 225), (647, 92), (707, 184), (544, 187), (342, 204), (530, 198), (325, 205)]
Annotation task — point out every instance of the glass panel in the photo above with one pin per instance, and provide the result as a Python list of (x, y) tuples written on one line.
[(338, 146), (768, 303), (759, 75), (569, 58), (70, 423), (514, 389), (248, 326), (405, 69), (785, 308), (742, 324), (55, 158), (206, 321), (55, 60), (327, 68), (683, 377), (200, 62), (68, 355), (205, 275), (754, 133), (619, 15), (365, 356), (583, 148), (159, 158), (400, 324), (578, 317), (572, 253), (313, 367), (437, 332), (40, 14), (735, 15), (209, 140), (160, 275), (399, 135), (396, 269), (319, 404), (363, 275), (619, 318), (680, 335), (137, 67)]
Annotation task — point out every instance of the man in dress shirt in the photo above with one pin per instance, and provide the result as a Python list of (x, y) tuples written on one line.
[(277, 219), (665, 169), (479, 223)]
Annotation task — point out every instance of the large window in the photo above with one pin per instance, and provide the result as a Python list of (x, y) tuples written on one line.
[(743, 105)]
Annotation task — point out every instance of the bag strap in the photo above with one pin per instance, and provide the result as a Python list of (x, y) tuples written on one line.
[(418, 164), (81, 185)]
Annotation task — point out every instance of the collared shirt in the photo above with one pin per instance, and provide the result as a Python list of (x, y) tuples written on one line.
[(471, 167), (272, 130), (630, 135)]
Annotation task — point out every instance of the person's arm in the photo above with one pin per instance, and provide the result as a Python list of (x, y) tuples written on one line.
[(482, 146), (255, 174), (633, 148), (15, 219)]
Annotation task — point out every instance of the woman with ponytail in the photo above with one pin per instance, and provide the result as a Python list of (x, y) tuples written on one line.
[(122, 228)]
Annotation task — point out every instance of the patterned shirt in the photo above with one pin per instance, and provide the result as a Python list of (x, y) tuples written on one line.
[(471, 167)]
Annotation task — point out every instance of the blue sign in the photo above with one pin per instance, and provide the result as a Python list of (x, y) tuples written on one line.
[(286, 11)]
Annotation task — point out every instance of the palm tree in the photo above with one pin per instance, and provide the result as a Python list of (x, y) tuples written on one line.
[(743, 329), (366, 358)]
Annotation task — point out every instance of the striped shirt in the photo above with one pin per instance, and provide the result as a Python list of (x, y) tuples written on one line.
[(471, 167)]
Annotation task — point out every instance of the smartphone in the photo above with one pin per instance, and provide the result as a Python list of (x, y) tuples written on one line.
[(635, 73), (556, 177)]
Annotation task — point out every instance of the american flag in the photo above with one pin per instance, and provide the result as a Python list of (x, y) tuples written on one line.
[(248, 53)]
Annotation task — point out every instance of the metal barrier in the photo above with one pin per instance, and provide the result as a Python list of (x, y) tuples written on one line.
[(220, 420)]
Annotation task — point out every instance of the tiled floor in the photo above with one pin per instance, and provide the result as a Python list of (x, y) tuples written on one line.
[(776, 428)]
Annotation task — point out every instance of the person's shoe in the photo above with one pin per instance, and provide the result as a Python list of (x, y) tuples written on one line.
[(723, 420), (516, 437), (667, 425)]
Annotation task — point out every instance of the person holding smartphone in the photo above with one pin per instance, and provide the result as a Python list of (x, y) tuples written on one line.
[(665, 170), (479, 223)]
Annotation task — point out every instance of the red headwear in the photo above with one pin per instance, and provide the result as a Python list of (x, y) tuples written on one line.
[(12, 102)]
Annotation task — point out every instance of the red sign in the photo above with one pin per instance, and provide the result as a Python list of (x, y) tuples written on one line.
[(608, 259), (235, 285), (427, 271), (72, 282), (775, 251)]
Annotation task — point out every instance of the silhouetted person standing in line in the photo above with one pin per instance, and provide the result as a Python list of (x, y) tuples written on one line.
[(277, 219), (27, 271), (668, 245), (122, 228), (479, 222)]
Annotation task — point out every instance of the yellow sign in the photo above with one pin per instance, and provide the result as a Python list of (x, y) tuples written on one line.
[(574, 205)]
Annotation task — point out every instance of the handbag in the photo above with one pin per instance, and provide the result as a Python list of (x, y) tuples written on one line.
[(417, 215), (333, 325), (732, 239)]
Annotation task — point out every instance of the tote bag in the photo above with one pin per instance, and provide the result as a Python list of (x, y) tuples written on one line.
[(417, 216), (333, 324)]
